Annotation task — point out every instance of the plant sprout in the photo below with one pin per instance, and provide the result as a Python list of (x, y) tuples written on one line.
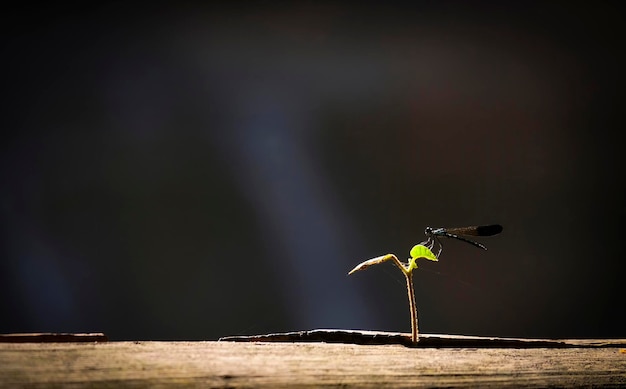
[(418, 251)]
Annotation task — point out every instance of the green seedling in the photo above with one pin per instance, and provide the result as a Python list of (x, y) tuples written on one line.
[(418, 251)]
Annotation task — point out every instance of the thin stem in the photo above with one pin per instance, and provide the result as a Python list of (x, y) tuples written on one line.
[(397, 262), (412, 305)]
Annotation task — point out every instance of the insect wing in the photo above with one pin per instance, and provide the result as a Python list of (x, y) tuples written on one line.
[(489, 230)]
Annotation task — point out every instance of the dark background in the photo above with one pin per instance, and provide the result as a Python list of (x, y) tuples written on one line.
[(192, 172)]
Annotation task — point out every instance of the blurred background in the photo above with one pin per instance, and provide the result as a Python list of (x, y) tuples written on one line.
[(192, 172)]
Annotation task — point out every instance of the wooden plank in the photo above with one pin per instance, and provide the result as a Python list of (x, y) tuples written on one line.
[(47, 337), (286, 364), (425, 340)]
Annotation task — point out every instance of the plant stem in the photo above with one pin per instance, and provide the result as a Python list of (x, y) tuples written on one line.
[(409, 287)]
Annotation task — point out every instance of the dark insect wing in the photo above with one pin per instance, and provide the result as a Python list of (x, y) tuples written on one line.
[(471, 230), (489, 230), (457, 233)]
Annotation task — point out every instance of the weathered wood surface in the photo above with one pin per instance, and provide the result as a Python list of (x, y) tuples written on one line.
[(425, 340), (48, 337), (272, 364)]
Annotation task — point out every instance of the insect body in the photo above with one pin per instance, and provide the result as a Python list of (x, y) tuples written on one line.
[(459, 233)]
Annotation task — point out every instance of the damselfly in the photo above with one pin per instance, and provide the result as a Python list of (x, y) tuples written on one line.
[(433, 235)]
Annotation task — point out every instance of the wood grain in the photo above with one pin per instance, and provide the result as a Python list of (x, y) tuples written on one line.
[(54, 337), (425, 340), (300, 364)]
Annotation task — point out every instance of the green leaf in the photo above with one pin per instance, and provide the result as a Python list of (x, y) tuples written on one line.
[(420, 251)]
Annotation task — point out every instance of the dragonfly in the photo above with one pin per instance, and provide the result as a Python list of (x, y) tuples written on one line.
[(459, 233)]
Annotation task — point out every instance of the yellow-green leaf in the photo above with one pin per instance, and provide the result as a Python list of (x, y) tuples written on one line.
[(421, 251)]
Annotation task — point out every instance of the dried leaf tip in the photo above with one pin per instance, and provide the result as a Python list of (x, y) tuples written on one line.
[(373, 261)]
